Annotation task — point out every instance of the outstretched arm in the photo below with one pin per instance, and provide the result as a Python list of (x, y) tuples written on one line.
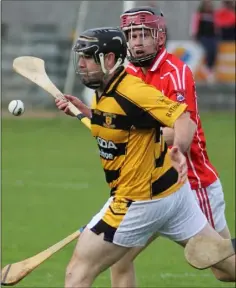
[(185, 130), (185, 92)]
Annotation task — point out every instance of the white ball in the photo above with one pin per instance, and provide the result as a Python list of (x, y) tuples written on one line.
[(16, 107)]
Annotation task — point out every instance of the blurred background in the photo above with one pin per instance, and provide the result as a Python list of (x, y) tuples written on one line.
[(48, 29)]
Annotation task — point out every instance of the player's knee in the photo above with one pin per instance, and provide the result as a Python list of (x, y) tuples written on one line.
[(122, 267), (70, 279), (78, 275)]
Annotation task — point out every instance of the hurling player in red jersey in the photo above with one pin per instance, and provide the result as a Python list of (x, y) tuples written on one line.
[(148, 59)]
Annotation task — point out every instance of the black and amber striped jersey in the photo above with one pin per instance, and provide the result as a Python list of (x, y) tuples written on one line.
[(127, 121)]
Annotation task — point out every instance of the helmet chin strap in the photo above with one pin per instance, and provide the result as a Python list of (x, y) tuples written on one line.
[(142, 62), (106, 71)]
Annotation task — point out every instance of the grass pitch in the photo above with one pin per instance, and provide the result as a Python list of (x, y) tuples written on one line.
[(53, 183)]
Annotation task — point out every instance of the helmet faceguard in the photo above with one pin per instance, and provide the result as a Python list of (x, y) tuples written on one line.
[(143, 18), (96, 43)]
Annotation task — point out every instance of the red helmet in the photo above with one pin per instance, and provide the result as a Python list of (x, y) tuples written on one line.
[(143, 17)]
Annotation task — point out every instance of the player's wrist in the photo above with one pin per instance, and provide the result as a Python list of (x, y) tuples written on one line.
[(179, 145), (80, 116)]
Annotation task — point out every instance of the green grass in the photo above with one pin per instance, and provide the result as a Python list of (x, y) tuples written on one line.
[(52, 183)]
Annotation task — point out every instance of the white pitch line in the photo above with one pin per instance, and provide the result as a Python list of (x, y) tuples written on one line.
[(184, 275)]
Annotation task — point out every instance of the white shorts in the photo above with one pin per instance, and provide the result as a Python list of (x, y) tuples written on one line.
[(130, 224), (212, 203)]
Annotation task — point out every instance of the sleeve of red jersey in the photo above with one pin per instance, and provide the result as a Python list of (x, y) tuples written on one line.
[(183, 89)]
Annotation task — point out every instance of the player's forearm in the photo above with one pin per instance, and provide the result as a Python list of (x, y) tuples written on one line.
[(168, 134), (184, 130), (86, 111)]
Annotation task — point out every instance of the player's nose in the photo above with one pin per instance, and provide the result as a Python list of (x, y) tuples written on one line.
[(139, 42), (81, 62)]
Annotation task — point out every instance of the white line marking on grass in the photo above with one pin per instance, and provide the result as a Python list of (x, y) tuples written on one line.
[(184, 275)]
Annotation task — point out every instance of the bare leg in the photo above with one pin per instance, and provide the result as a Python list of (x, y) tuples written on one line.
[(123, 272), (91, 256), (226, 266), (220, 275)]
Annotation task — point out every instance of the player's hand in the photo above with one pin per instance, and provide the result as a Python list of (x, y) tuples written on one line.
[(179, 163), (63, 105)]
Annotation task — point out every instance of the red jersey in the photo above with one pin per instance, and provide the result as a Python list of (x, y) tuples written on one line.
[(175, 80)]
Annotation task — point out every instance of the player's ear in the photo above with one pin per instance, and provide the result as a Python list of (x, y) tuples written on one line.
[(162, 39), (110, 60)]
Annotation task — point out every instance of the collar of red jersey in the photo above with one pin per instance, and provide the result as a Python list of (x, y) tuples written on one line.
[(160, 58)]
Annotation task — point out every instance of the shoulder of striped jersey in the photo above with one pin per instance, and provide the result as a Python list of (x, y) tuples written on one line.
[(133, 87)]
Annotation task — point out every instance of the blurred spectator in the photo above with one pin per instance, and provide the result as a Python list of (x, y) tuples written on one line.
[(225, 20), (204, 31)]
